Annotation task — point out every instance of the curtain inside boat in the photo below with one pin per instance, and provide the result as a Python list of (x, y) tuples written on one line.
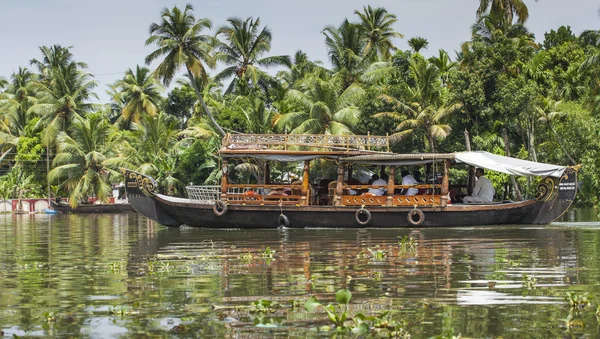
[(509, 165)]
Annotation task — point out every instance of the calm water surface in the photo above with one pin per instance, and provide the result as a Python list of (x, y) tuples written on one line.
[(122, 276)]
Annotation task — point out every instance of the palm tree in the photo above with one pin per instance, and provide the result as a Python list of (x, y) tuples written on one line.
[(490, 28), (154, 137), (345, 46), (87, 163), (418, 43), (425, 107), (571, 87), (590, 37), (505, 8), (537, 71), (54, 57), (376, 25), (300, 67), (63, 99), (179, 40), (16, 102), (324, 106), (443, 64), (244, 44), (427, 119), (140, 93)]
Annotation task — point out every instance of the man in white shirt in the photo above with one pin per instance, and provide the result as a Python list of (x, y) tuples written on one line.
[(376, 182), (483, 191), (408, 180)]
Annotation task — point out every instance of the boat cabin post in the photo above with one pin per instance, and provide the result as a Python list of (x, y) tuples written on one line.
[(390, 189), (445, 183), (339, 190), (471, 180), (267, 174), (224, 180), (304, 201)]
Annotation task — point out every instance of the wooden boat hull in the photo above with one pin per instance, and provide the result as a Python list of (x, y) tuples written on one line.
[(94, 208), (554, 199)]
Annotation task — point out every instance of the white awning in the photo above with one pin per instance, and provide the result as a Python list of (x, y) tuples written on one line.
[(509, 165)]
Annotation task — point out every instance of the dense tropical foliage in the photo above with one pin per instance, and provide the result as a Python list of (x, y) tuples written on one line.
[(544, 93)]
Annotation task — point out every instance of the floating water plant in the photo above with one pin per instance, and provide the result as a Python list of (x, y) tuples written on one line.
[(50, 316), (268, 253), (115, 268), (337, 315), (577, 301), (407, 244), (121, 311), (529, 282), (384, 322), (359, 324), (372, 254), (264, 306)]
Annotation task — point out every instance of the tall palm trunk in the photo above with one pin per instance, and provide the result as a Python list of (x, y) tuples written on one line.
[(512, 177), (201, 99), (431, 143), (560, 143), (532, 140)]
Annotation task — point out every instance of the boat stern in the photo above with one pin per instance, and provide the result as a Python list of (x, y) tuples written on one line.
[(555, 196)]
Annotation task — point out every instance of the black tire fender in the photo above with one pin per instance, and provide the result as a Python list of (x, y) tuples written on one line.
[(220, 208), (283, 221), (359, 213), (412, 221)]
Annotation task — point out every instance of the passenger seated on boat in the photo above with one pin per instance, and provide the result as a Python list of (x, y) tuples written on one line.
[(251, 195), (407, 180), (483, 192), (377, 182), (352, 181), (373, 178), (278, 191)]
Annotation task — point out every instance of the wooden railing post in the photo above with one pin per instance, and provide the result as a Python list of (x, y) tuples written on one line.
[(391, 183), (445, 182), (339, 187), (304, 201)]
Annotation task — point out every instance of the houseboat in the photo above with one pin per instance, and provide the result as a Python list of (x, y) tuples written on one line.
[(342, 202)]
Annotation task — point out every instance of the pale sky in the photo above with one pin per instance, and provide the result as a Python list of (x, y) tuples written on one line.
[(109, 35)]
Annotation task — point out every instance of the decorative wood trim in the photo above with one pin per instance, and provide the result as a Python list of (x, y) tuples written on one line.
[(291, 141)]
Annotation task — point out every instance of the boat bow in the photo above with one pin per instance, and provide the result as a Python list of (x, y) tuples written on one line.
[(141, 194)]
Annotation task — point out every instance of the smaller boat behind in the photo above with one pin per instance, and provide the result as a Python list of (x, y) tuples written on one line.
[(91, 208), (50, 211)]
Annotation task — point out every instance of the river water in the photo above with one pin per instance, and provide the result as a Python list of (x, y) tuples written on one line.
[(121, 276)]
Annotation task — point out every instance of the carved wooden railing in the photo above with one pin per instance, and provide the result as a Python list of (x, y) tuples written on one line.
[(272, 194), (430, 198), (293, 141)]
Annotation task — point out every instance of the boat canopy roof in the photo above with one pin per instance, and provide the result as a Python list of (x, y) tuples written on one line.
[(509, 165), (301, 147), (367, 149), (481, 159)]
